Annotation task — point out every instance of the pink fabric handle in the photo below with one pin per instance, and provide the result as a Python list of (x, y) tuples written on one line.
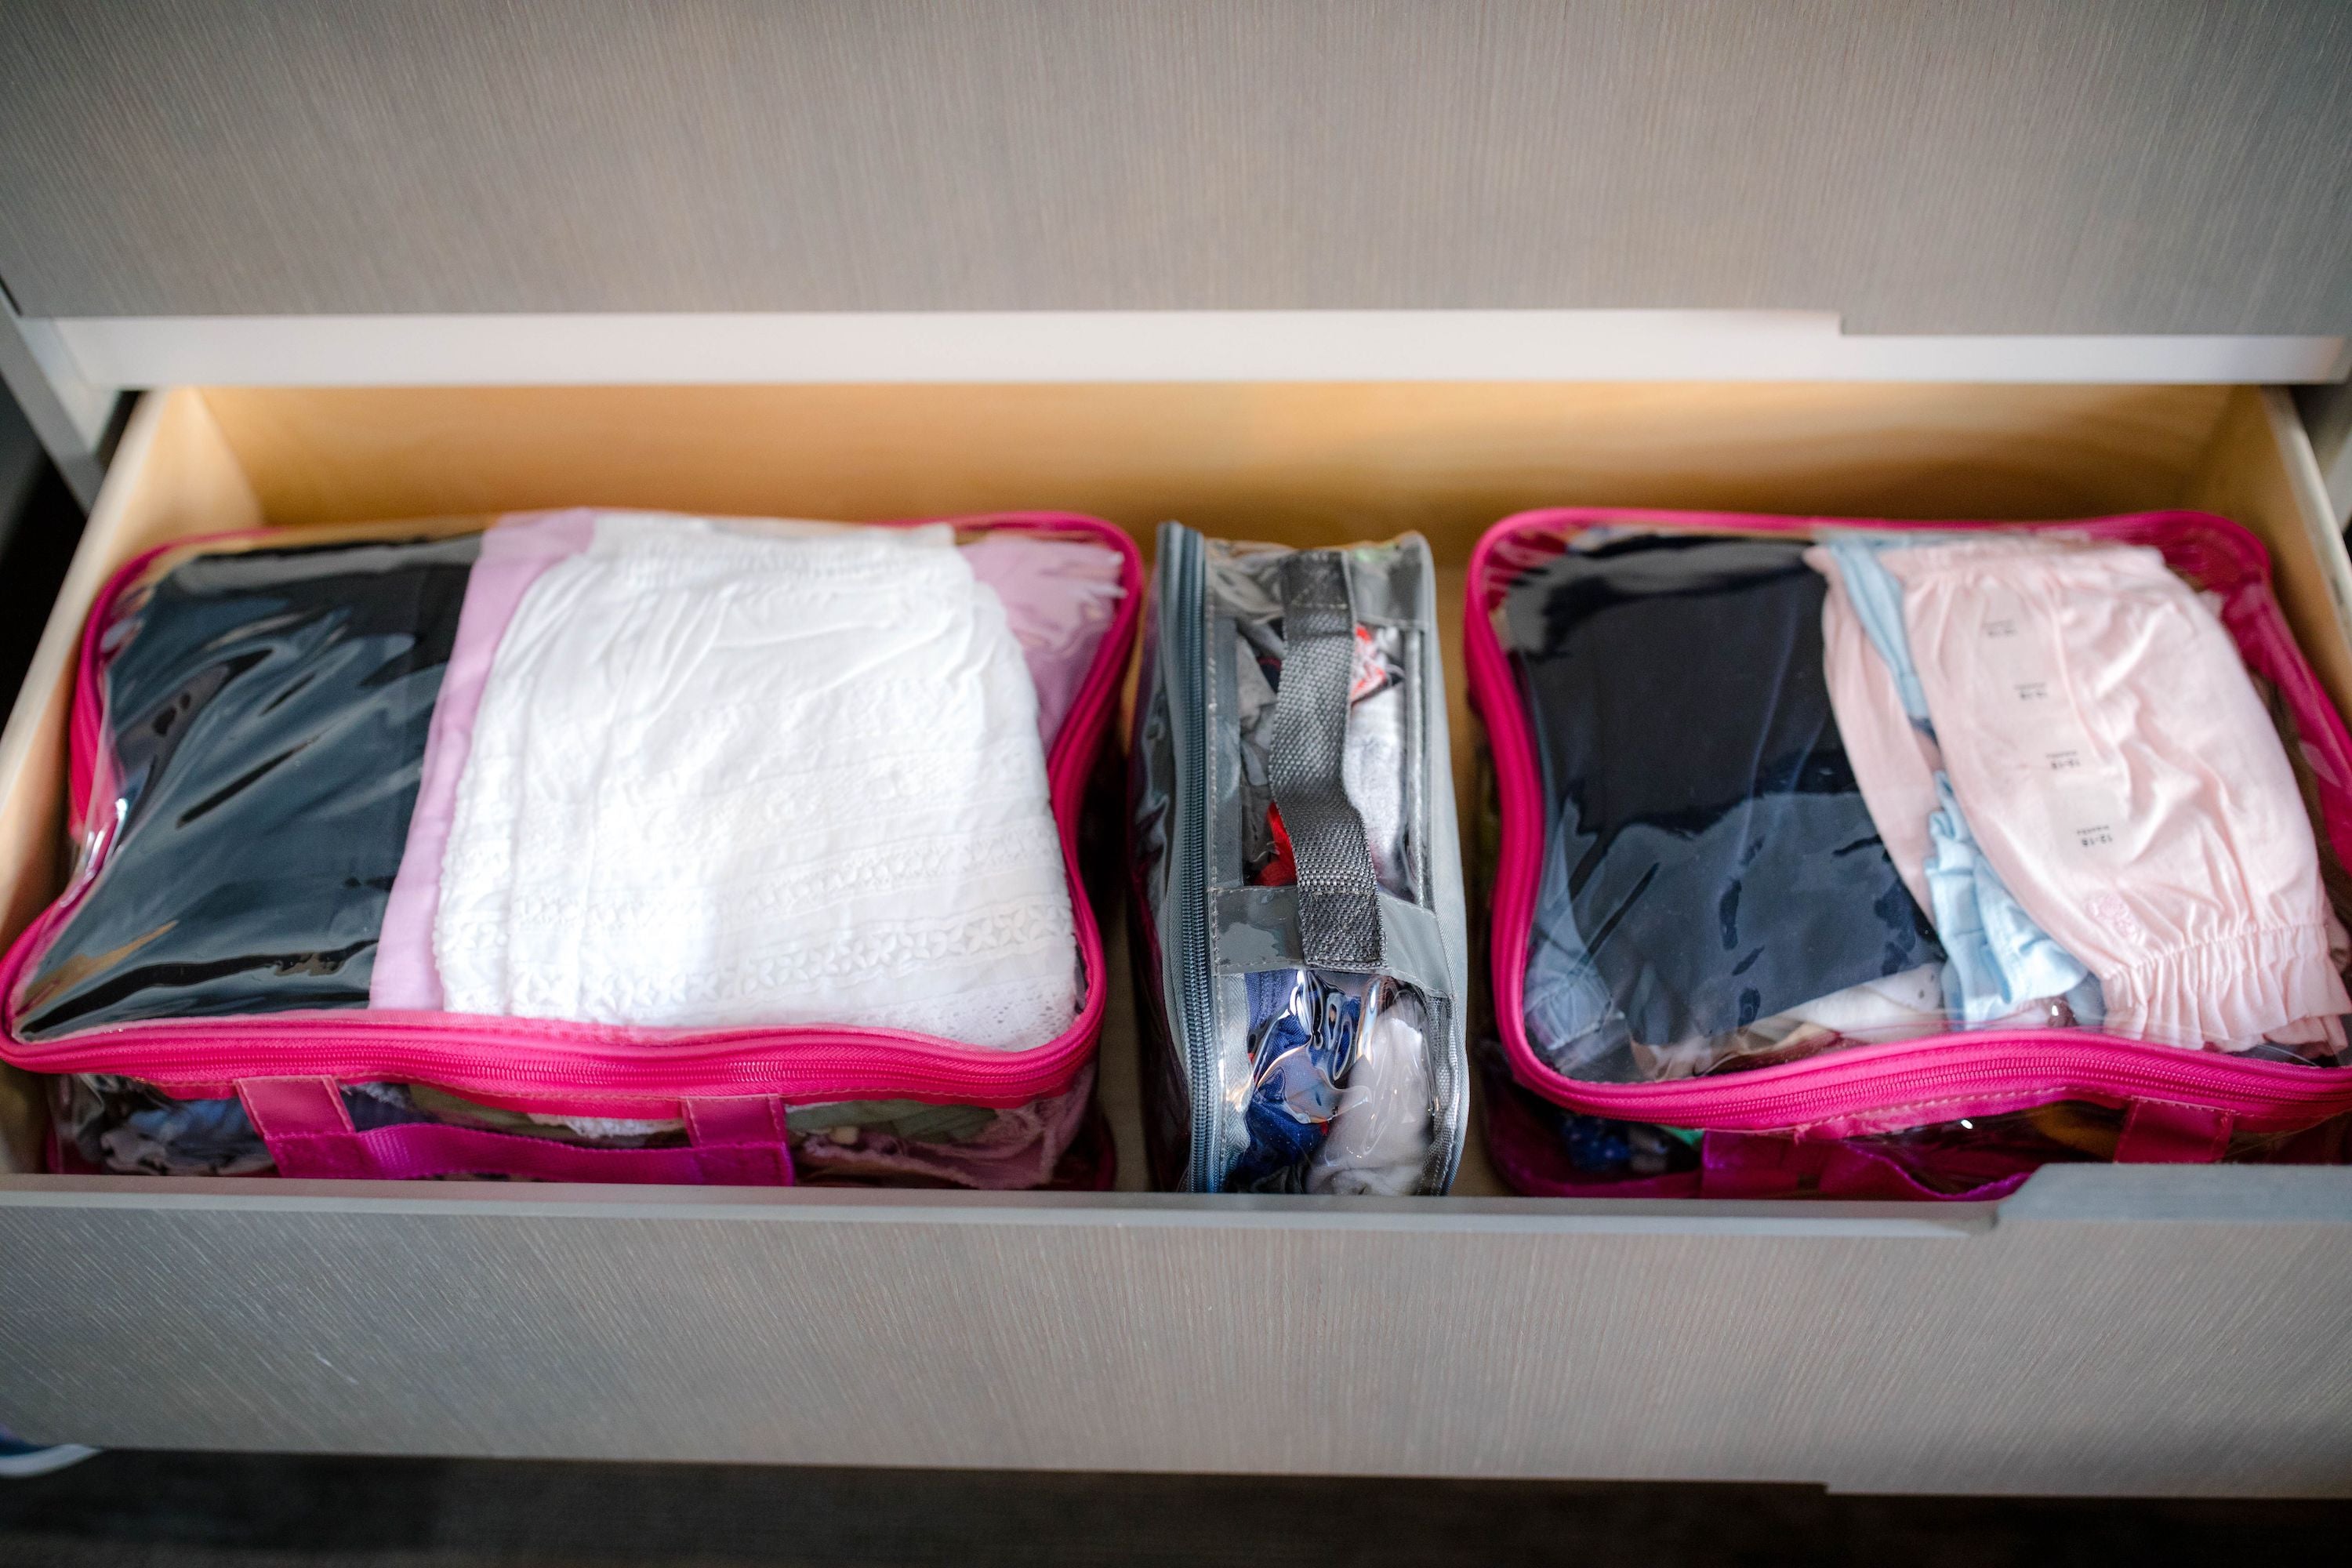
[(2160, 1133), (1531, 1158), (1747, 1165), (738, 1142)]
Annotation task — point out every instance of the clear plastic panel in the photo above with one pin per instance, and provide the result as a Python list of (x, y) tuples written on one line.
[(125, 1127), (1337, 1096), (1814, 787), (1547, 1150), (266, 716)]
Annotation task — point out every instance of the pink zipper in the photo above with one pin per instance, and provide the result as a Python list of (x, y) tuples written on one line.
[(529, 1064), (1868, 1088)]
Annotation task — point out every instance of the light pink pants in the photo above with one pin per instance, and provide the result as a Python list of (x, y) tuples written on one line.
[(2121, 773)]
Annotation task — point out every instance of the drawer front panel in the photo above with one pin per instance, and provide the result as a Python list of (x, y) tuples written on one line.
[(2114, 1330)]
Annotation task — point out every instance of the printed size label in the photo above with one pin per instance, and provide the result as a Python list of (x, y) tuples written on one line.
[(2095, 820), (2014, 650), (2043, 750)]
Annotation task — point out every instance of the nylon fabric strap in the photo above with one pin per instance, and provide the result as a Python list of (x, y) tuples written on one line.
[(1338, 894), (2159, 1133)]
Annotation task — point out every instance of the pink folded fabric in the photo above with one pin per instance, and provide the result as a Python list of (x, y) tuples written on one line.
[(1059, 596), (1018, 1149), (513, 555), (2121, 773)]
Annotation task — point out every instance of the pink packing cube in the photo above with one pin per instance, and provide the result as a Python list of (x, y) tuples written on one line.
[(1741, 944), (596, 846)]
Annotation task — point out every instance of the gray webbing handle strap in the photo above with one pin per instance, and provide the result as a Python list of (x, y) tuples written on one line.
[(1338, 894)]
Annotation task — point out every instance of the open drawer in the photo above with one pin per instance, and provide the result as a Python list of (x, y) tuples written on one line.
[(2105, 1329)]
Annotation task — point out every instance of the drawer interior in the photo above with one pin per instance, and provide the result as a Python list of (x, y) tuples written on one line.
[(1299, 464)]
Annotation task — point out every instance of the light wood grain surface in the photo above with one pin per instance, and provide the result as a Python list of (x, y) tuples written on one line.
[(1313, 463), (2066, 166)]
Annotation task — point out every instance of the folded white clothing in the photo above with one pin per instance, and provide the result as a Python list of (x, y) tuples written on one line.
[(1893, 1007), (1380, 1136), (725, 776), (1900, 1007)]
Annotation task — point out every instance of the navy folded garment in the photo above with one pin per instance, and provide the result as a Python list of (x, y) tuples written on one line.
[(269, 713), (1709, 860)]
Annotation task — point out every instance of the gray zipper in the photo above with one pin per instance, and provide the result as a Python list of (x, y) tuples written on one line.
[(1182, 614), (1452, 1056)]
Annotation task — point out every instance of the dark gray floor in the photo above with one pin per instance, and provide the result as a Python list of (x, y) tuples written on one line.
[(39, 525), (181, 1511)]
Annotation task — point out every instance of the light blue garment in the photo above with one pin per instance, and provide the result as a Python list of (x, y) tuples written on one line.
[(1877, 601), (2088, 1003), (1996, 958)]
